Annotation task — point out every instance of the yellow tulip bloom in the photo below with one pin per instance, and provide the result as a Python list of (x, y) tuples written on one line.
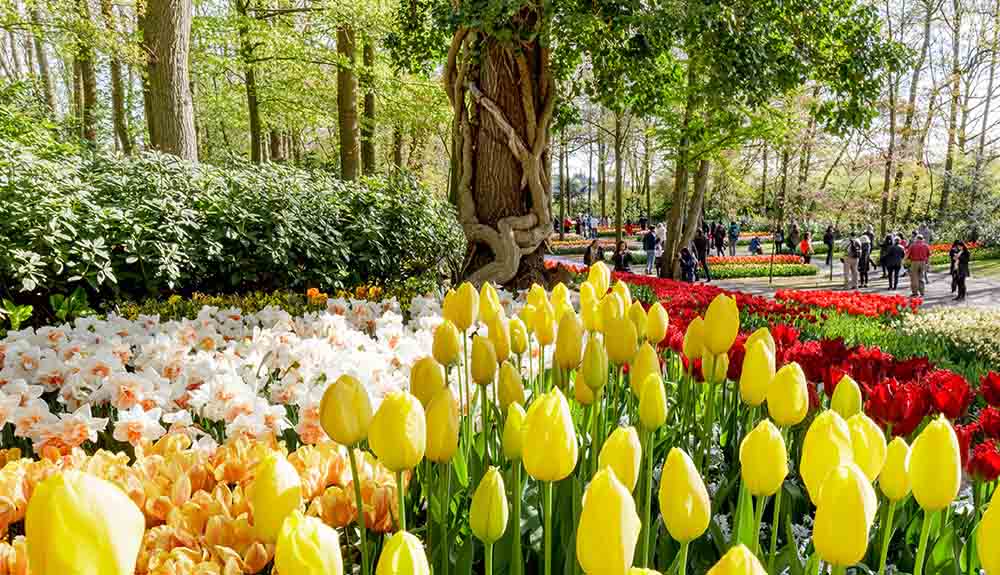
[(307, 546), (500, 337), (657, 322), (466, 306), (588, 293), (449, 306), (987, 536), (637, 314), (513, 432), (694, 339), (714, 367), (683, 498), (489, 303), (442, 427), (652, 403), (511, 388), (276, 491), (426, 379), (867, 444), (611, 308), (609, 526), (590, 312), (620, 340), (764, 335), (403, 554), (758, 373), (484, 360), (398, 432), (788, 396), (763, 459), (446, 348), (527, 317), (569, 342), (738, 561), (518, 336), (935, 466), (844, 515), (581, 392), (345, 412), (595, 363), (827, 445), (545, 325), (537, 296), (560, 294), (600, 276), (548, 441), (846, 398), (722, 324), (625, 294), (488, 515), (622, 453), (895, 478), (645, 362)]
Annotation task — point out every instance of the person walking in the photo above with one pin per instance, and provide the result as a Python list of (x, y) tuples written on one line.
[(661, 240), (779, 240), (864, 259), (793, 238), (593, 254), (734, 237), (883, 250), (806, 248), (688, 266), (828, 239), (953, 263), (962, 270), (918, 253), (720, 240), (893, 261), (649, 242), (701, 248), (622, 259), (852, 253)]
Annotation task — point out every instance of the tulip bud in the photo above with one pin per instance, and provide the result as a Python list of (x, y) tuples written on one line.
[(527, 316), (694, 339), (442, 427), (644, 363), (489, 303), (683, 498), (518, 336), (826, 446), (763, 460), (588, 293), (488, 517), (276, 492), (637, 314), (513, 431), (562, 309), (560, 293), (590, 312), (398, 433), (403, 554), (560, 378), (426, 379), (609, 526), (722, 324), (308, 546), (758, 373), (788, 396), (499, 334), (611, 308), (622, 453), (449, 305), (764, 335), (714, 367), (652, 403), (467, 306), (642, 571), (867, 444), (657, 322), (569, 342), (738, 561), (581, 391), (844, 515), (79, 523), (987, 535), (345, 412), (484, 360), (846, 398), (445, 348), (600, 276), (621, 288), (548, 441), (620, 340), (537, 296), (595, 363), (511, 387), (935, 466), (895, 477), (545, 325)]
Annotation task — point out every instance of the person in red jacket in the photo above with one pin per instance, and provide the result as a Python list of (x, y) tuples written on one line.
[(919, 254)]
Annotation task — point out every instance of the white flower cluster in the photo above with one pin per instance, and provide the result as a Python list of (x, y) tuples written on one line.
[(976, 329)]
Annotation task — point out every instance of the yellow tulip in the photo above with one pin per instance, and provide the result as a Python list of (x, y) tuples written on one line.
[(569, 342), (488, 516), (527, 316), (345, 412), (738, 561), (398, 433), (511, 388), (867, 444), (484, 360), (637, 314), (761, 334), (846, 398), (499, 332), (518, 336), (620, 340), (643, 364), (489, 303), (581, 392), (81, 524), (683, 498), (621, 288), (609, 526), (827, 445), (537, 296), (652, 403), (595, 363), (622, 453), (987, 536), (763, 459), (276, 492), (694, 339), (426, 379), (442, 427), (657, 322), (548, 441), (590, 312), (600, 276), (560, 293), (403, 554), (449, 306), (935, 466), (757, 375), (446, 348), (308, 546), (466, 306), (722, 324), (895, 478), (611, 308), (844, 515), (788, 396), (562, 309), (642, 571), (588, 293), (545, 325), (513, 431), (714, 367)]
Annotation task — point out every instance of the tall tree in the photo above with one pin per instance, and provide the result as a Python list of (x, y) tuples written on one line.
[(956, 85), (246, 50), (347, 104), (166, 33), (119, 119), (48, 92), (88, 74), (368, 114)]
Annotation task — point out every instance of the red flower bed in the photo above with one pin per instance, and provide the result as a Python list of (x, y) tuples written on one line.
[(745, 260), (853, 303)]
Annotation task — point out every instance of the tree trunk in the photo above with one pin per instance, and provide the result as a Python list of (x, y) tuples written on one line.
[(919, 158), (77, 96), (505, 188), (43, 64), (695, 207), (118, 117), (15, 55), (956, 78), (602, 160), (166, 31), (590, 176), (397, 146), (88, 79), (980, 148), (763, 179), (783, 190), (278, 151), (347, 105), (647, 175), (619, 175), (562, 184), (246, 49), (675, 222), (889, 157), (368, 121)]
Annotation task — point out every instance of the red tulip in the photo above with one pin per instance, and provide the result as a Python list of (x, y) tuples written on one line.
[(950, 393), (989, 384), (965, 434), (985, 462), (989, 422)]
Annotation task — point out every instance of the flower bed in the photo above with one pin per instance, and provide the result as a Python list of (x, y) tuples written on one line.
[(744, 260), (852, 303), (762, 270), (974, 329)]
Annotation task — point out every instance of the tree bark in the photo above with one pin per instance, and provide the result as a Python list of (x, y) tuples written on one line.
[(118, 117), (279, 153), (77, 95), (889, 157), (562, 184), (647, 175), (602, 160), (15, 55), (368, 120), (956, 78), (980, 148), (347, 104), (675, 222), (246, 49), (919, 158), (397, 146), (783, 190), (590, 176), (763, 179), (88, 79), (619, 176), (166, 30), (48, 92)]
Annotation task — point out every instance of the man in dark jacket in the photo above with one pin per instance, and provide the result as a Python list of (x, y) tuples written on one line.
[(893, 261), (701, 250), (649, 245), (828, 239)]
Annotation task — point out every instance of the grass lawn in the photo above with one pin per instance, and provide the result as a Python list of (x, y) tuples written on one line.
[(978, 268)]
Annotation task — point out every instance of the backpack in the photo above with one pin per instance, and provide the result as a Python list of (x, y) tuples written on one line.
[(854, 250)]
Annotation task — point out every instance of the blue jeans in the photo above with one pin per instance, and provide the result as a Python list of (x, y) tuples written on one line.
[(650, 260)]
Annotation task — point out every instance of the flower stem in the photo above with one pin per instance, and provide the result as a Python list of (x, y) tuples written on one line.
[(925, 532), (356, 479), (886, 537), (682, 559), (593, 434), (486, 430), (446, 502), (515, 554), (489, 559), (706, 429), (647, 501), (757, 516), (548, 526), (776, 521), (838, 570), (401, 521)]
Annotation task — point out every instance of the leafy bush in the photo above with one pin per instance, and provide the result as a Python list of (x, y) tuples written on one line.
[(153, 224)]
